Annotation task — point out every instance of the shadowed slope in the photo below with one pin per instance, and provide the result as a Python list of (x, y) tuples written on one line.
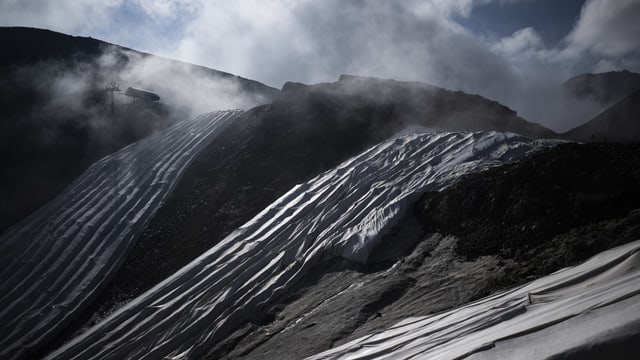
[(604, 88), (56, 118), (57, 260), (618, 123), (339, 214), (268, 150)]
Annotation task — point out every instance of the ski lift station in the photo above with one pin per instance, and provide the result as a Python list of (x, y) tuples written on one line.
[(139, 94)]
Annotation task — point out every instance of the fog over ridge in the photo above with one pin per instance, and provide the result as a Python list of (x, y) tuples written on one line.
[(306, 41)]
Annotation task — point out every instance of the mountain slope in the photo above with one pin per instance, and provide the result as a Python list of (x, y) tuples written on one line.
[(271, 148), (57, 260), (20, 51), (588, 311), (279, 160), (56, 118), (339, 214), (618, 123), (418, 104), (487, 232), (603, 88)]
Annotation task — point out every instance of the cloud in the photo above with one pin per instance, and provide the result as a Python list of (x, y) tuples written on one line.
[(168, 8), (182, 86), (60, 15), (522, 42), (411, 40), (146, 25), (608, 28), (311, 41), (77, 86)]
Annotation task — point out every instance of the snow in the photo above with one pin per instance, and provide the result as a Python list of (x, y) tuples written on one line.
[(342, 212), (572, 310), (55, 260)]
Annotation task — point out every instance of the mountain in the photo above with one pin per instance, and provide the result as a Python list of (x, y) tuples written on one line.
[(336, 216), (259, 156), (417, 104), (603, 88), (618, 123), (353, 249), (74, 244), (271, 148), (20, 46), (250, 170), (487, 232), (585, 312), (329, 217), (56, 118)]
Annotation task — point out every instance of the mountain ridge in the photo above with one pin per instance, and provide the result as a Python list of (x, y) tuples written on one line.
[(351, 158), (55, 46), (618, 123), (56, 118), (604, 88), (417, 103), (264, 153), (337, 214)]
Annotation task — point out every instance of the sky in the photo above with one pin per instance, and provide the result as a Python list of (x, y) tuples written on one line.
[(513, 51)]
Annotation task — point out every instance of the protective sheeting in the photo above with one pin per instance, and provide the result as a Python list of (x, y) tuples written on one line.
[(342, 212), (54, 261), (572, 312)]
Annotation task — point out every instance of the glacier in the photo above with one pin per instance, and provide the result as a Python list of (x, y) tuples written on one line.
[(57, 259), (587, 311), (340, 213)]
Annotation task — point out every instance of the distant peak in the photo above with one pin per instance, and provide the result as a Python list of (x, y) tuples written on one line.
[(292, 86), (347, 77)]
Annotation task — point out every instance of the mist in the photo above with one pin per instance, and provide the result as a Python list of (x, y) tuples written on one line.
[(183, 88), (314, 42), (69, 93), (414, 43), (309, 41), (58, 118)]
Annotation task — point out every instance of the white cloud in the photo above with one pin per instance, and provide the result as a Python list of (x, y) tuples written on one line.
[(61, 15), (167, 8), (522, 42), (443, 7), (605, 65), (311, 41), (248, 37), (608, 28)]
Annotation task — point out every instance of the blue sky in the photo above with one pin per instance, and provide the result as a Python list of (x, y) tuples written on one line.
[(553, 19), (513, 51)]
